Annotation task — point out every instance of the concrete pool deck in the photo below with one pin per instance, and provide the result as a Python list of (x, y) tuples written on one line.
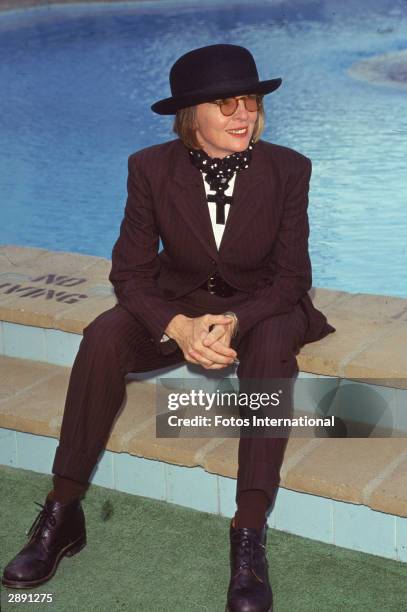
[(350, 489)]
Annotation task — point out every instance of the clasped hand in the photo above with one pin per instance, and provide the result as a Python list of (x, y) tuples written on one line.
[(209, 348)]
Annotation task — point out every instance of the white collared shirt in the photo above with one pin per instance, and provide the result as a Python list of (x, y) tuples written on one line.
[(218, 228)]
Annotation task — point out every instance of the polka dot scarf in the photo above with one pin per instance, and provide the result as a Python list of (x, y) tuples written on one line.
[(218, 174)]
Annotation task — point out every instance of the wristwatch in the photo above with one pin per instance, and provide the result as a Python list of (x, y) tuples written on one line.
[(229, 313)]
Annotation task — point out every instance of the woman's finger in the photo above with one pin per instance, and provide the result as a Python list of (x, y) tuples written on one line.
[(224, 355), (217, 332), (219, 344), (216, 366), (201, 359)]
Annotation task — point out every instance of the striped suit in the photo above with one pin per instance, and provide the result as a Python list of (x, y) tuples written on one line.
[(263, 255)]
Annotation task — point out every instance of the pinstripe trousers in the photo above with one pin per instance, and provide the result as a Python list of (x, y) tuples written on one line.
[(115, 344)]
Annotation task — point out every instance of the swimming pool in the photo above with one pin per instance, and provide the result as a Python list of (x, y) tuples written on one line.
[(77, 83)]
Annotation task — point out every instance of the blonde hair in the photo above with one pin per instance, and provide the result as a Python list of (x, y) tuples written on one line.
[(184, 126)]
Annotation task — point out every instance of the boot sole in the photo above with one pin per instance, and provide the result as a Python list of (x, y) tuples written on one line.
[(69, 551)]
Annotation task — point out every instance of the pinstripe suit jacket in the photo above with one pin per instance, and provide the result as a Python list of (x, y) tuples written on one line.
[(264, 249)]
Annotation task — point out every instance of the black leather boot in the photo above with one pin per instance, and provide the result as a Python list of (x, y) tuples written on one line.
[(58, 530), (249, 588)]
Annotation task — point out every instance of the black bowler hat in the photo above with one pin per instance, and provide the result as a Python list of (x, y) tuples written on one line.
[(210, 73)]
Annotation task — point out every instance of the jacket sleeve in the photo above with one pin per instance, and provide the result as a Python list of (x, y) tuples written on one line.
[(135, 261), (291, 275)]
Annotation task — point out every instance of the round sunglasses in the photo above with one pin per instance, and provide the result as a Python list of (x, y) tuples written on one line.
[(228, 106)]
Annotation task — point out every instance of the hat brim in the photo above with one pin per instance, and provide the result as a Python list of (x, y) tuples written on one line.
[(169, 106)]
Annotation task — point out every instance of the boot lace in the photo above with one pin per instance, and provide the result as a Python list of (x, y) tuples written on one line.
[(43, 519), (245, 549)]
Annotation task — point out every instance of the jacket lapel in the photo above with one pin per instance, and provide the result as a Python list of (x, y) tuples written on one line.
[(247, 199), (190, 198)]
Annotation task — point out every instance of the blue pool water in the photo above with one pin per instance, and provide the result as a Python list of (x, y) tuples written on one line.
[(76, 87)]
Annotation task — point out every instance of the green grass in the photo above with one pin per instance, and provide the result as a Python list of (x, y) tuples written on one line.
[(156, 557)]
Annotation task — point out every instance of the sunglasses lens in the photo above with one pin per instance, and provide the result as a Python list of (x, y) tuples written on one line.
[(251, 103), (228, 106)]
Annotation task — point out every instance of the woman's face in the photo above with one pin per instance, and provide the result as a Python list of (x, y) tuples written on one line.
[(216, 133)]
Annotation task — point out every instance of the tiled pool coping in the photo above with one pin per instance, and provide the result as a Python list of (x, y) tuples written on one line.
[(348, 525), (353, 492), (54, 291)]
